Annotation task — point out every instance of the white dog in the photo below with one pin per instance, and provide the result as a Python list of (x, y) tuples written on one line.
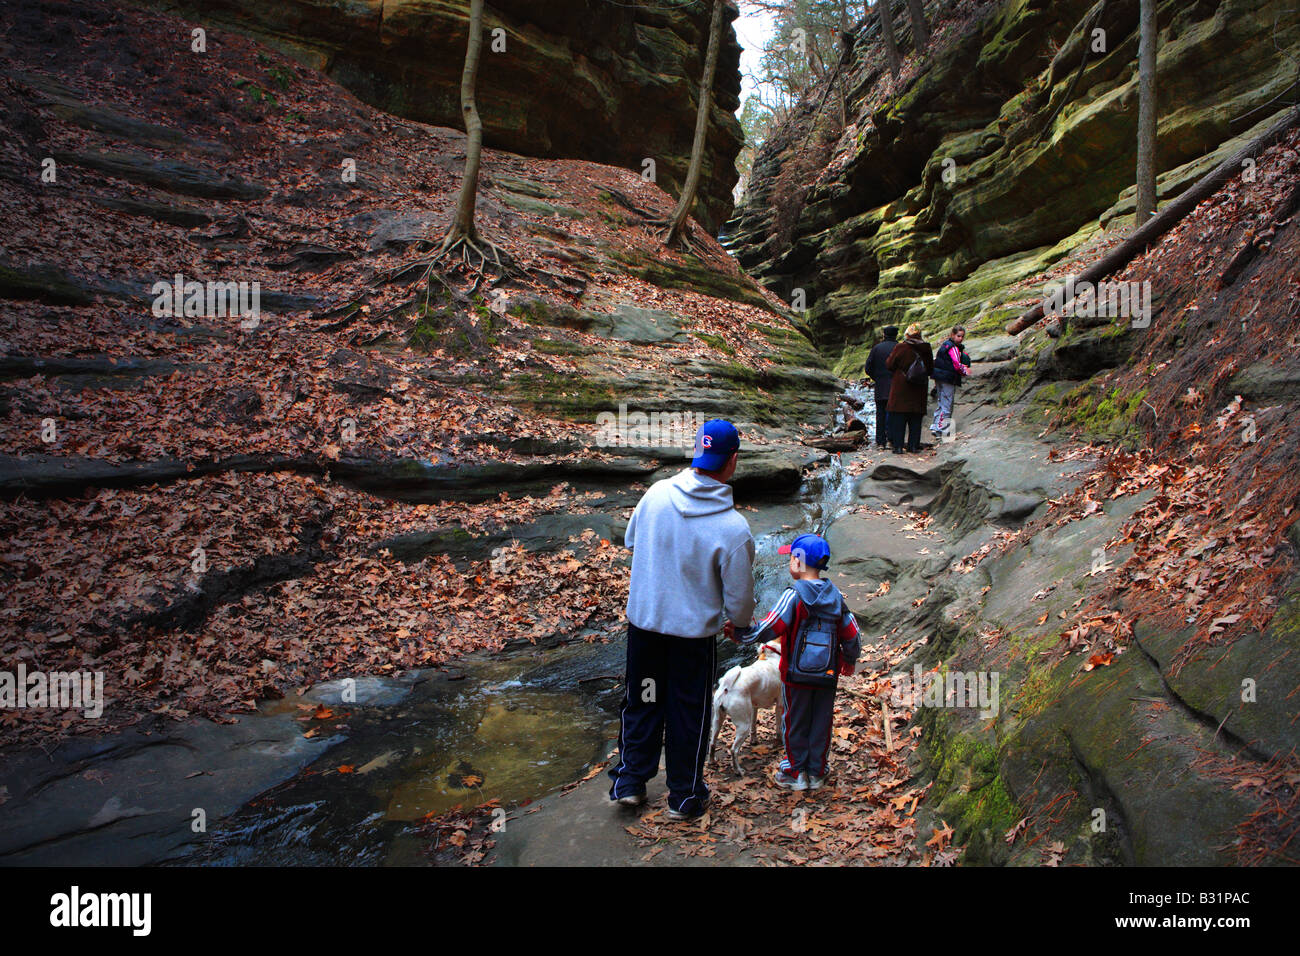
[(742, 692)]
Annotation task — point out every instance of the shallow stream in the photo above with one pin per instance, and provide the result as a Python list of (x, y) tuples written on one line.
[(512, 727)]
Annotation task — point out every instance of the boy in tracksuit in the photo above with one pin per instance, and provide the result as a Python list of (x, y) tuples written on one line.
[(809, 711)]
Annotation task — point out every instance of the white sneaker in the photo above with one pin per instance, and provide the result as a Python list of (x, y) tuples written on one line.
[(816, 783), (634, 800)]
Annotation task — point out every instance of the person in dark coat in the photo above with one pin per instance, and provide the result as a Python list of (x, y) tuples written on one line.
[(880, 378), (907, 400)]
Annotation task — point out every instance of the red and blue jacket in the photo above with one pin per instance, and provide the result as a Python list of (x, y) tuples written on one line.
[(794, 607)]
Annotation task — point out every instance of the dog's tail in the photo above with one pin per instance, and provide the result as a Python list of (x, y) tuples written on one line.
[(727, 683)]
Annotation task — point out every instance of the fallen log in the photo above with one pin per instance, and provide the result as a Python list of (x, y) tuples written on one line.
[(1170, 216), (844, 442)]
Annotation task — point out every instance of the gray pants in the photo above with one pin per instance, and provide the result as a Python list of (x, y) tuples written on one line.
[(943, 410)]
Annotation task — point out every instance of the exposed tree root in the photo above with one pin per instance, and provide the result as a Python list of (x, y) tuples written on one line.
[(471, 244), (663, 229)]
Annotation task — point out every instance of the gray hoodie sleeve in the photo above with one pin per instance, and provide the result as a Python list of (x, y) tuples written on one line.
[(738, 583), (630, 531)]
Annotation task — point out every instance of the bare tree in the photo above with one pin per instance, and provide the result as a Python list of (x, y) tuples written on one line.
[(920, 32), (462, 235), (887, 34), (1146, 132), (677, 222)]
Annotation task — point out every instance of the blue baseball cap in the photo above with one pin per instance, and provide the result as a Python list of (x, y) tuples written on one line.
[(812, 548), (715, 441)]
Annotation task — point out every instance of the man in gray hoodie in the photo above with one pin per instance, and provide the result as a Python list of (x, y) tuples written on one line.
[(692, 576)]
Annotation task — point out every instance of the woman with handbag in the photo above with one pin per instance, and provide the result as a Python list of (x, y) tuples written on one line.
[(912, 364)]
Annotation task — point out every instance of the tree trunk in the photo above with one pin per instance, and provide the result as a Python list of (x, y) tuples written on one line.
[(1171, 215), (887, 35), (687, 200), (1146, 132), (462, 225), (920, 33)]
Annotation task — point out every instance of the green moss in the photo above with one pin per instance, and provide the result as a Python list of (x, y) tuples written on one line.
[(541, 312), (438, 326), (255, 93), (1018, 381), (487, 322), (1102, 413), (853, 360), (715, 341), (968, 792), (281, 77), (1042, 680), (573, 395)]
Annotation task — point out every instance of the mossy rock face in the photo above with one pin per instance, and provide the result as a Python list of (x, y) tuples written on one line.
[(1172, 814), (538, 311), (1247, 688), (692, 276), (968, 792), (610, 83), (1116, 763), (1106, 414), (970, 180), (575, 396), (1083, 355), (639, 326), (716, 342), (560, 347)]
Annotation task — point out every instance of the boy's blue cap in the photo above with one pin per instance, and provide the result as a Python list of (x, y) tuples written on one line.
[(812, 548), (715, 441)]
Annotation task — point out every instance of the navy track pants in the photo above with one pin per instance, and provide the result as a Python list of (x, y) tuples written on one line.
[(806, 730), (667, 704)]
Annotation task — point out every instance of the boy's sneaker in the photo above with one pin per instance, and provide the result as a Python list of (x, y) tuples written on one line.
[(632, 800), (788, 782), (816, 783)]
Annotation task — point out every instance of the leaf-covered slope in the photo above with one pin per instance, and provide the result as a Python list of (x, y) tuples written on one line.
[(230, 510)]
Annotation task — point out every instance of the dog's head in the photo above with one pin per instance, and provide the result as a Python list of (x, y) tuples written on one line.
[(774, 646)]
